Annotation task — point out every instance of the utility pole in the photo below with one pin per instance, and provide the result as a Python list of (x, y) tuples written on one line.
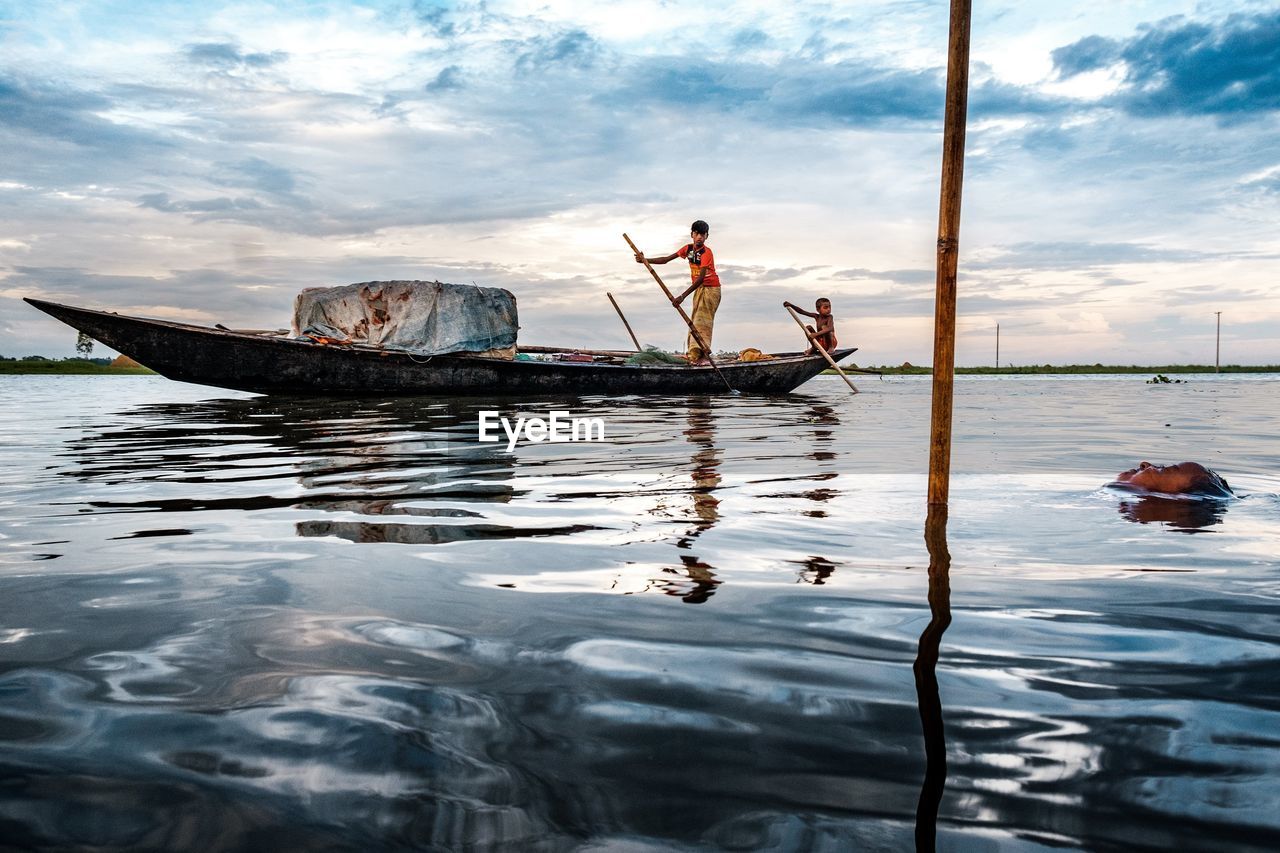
[(1217, 346), (997, 346), (944, 312)]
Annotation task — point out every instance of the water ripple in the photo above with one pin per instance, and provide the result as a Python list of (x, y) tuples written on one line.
[(264, 623)]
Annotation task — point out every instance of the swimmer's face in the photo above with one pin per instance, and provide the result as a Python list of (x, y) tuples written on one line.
[(1183, 478)]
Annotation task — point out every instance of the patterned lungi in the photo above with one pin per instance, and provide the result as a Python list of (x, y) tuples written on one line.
[(705, 302)]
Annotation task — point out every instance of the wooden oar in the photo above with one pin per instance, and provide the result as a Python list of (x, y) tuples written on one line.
[(818, 347), (693, 330), (624, 321)]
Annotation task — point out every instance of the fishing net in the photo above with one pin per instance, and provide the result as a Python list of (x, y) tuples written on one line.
[(653, 355)]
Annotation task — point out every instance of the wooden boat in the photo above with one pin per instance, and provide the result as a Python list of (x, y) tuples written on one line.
[(267, 363)]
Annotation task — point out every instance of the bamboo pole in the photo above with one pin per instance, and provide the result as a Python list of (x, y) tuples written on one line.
[(623, 318), (819, 348), (944, 316), (693, 330)]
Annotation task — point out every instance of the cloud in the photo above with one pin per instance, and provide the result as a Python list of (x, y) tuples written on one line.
[(225, 56), (257, 173), (1183, 66), (1194, 296), (435, 16), (278, 154), (1266, 180), (764, 275), (1091, 53), (1050, 255), (53, 111), (801, 92), (1085, 323), (203, 295), (855, 93), (687, 82), (205, 209), (750, 38), (448, 80), (905, 276), (572, 49)]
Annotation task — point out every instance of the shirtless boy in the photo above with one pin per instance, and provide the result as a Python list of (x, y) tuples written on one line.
[(825, 333)]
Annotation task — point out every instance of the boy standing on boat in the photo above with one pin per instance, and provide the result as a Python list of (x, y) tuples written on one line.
[(705, 287)]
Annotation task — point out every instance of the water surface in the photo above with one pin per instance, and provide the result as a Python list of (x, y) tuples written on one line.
[(240, 622)]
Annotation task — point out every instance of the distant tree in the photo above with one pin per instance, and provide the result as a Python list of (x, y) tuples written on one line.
[(84, 345)]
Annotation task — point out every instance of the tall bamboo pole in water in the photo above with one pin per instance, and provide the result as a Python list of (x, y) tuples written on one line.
[(944, 315)]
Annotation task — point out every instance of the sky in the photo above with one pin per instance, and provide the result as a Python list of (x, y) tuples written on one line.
[(204, 162)]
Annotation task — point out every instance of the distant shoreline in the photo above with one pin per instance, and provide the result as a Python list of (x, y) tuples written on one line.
[(83, 368), (69, 368), (1074, 369)]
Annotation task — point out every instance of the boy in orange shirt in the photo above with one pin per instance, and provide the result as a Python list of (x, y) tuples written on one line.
[(705, 287)]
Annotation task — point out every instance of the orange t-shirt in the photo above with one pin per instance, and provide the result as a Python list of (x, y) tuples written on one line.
[(701, 259)]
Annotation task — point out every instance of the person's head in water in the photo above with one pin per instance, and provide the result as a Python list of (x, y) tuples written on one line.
[(1185, 478), (699, 231)]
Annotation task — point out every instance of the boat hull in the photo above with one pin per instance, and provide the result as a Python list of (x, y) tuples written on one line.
[(272, 365)]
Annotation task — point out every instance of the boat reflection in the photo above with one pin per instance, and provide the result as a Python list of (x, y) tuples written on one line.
[(428, 534), (412, 472), (1180, 514), (390, 471)]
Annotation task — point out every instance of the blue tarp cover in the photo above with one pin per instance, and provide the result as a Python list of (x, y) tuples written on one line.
[(424, 317)]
